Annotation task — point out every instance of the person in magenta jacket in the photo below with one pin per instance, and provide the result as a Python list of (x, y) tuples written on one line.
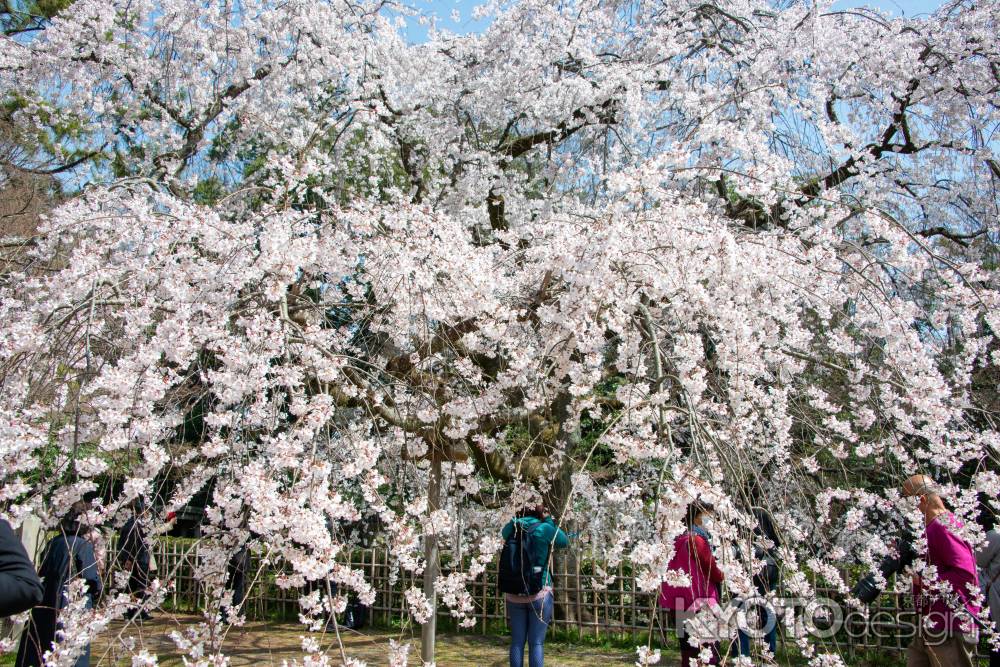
[(693, 555), (947, 633)]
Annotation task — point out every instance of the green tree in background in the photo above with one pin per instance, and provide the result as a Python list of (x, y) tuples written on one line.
[(24, 16)]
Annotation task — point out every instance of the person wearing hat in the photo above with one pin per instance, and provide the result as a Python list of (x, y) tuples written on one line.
[(946, 608), (693, 556)]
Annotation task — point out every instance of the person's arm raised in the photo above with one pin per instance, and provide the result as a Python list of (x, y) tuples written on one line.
[(555, 534)]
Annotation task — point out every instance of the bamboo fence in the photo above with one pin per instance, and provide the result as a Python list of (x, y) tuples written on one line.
[(619, 610)]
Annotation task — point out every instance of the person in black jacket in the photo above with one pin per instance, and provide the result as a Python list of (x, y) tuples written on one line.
[(765, 546), (236, 581), (20, 587), (133, 554), (67, 556)]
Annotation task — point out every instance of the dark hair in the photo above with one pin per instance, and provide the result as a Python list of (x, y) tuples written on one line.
[(70, 523), (987, 518), (534, 511), (694, 509)]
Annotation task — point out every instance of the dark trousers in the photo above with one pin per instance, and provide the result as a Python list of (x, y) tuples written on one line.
[(766, 622), (689, 654), (138, 586)]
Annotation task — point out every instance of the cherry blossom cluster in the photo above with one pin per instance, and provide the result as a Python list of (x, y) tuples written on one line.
[(615, 257)]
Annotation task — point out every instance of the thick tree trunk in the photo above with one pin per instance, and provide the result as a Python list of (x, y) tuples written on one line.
[(565, 582), (566, 562)]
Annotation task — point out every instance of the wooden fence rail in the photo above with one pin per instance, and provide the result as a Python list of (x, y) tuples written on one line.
[(620, 609)]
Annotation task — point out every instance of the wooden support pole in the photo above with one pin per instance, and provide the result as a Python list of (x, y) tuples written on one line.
[(429, 629)]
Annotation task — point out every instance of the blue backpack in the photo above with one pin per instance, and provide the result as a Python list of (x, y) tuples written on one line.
[(519, 574)]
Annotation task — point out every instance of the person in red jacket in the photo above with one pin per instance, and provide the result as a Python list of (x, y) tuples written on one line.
[(693, 556)]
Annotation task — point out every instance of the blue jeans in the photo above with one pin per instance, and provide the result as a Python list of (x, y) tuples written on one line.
[(528, 623), (768, 624)]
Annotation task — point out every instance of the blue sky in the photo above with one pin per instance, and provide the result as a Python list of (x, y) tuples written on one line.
[(443, 10), (895, 7)]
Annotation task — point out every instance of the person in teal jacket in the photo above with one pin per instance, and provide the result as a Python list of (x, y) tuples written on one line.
[(529, 615)]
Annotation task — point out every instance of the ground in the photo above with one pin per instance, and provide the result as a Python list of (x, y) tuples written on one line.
[(263, 643), (271, 643)]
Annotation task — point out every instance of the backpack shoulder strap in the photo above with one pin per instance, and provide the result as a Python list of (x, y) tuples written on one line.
[(547, 559)]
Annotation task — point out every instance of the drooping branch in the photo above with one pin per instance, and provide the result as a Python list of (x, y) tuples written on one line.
[(961, 239), (69, 166), (898, 124), (604, 113)]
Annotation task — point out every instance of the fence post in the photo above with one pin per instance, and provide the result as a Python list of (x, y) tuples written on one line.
[(387, 613), (621, 601), (484, 599), (634, 603)]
